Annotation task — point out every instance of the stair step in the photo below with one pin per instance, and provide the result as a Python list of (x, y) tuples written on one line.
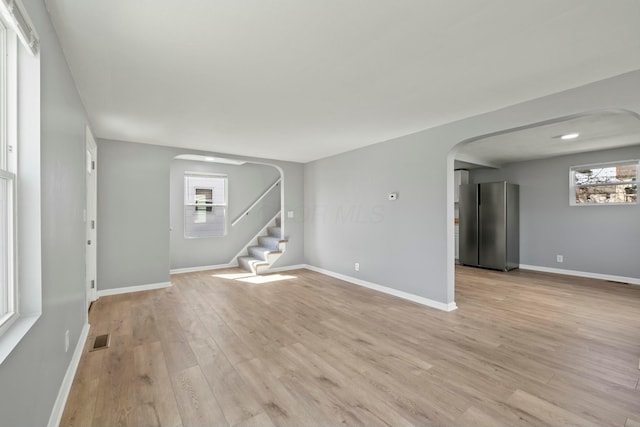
[(275, 232), (251, 264), (270, 242), (261, 252), (268, 250)]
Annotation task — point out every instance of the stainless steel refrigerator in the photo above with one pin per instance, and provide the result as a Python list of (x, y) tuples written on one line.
[(489, 225)]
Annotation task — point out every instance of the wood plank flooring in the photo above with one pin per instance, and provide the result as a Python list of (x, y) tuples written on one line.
[(303, 349)]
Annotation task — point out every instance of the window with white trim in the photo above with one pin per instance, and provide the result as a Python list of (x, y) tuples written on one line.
[(20, 183), (8, 284), (205, 205), (605, 183)]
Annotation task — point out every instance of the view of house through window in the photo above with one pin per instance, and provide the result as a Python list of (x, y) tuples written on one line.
[(205, 205), (608, 183)]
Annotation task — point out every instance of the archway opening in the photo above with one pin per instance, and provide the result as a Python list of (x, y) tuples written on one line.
[(218, 208)]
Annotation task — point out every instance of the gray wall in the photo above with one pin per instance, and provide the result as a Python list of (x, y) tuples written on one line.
[(594, 239), (133, 224), (408, 245), (246, 183), (349, 218), (133, 214), (32, 374)]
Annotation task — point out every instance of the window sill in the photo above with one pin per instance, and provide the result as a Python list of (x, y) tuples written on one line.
[(604, 204), (10, 339)]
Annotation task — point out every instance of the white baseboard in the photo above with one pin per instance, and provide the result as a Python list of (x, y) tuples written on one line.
[(630, 280), (129, 289), (404, 295), (202, 268), (67, 381), (285, 268)]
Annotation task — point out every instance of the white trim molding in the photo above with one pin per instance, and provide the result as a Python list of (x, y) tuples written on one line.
[(12, 336), (202, 268), (400, 294), (629, 280), (285, 268), (65, 387), (223, 266), (129, 289)]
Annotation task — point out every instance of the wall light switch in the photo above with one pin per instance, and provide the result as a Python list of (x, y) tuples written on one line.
[(393, 196), (289, 214)]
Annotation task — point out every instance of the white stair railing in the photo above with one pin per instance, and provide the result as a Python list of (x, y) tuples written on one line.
[(254, 204)]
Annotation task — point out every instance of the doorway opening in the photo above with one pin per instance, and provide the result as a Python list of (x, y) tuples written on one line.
[(219, 210), (574, 134)]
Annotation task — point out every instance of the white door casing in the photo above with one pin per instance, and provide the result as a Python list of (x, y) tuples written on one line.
[(91, 216)]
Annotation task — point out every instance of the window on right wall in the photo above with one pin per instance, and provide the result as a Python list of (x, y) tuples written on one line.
[(614, 183)]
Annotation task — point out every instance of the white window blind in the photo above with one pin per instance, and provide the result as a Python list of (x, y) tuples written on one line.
[(205, 205)]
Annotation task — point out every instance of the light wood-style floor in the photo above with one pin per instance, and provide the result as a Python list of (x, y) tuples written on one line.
[(523, 348)]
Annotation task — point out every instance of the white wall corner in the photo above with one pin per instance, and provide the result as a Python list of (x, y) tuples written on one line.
[(67, 381), (130, 289), (400, 294)]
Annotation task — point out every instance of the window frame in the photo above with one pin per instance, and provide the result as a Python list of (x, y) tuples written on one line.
[(8, 152), (8, 279), (21, 130), (209, 207), (573, 187)]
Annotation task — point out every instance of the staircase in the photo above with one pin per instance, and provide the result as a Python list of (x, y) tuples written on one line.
[(268, 249)]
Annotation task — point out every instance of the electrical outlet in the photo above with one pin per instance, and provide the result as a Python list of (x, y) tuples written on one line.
[(559, 258), (66, 341), (357, 266)]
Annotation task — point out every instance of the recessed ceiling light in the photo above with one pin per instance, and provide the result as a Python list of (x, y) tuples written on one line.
[(210, 159), (570, 136)]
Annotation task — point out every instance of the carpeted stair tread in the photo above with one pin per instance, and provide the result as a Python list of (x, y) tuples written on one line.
[(270, 242), (260, 252), (275, 232), (250, 263), (269, 248)]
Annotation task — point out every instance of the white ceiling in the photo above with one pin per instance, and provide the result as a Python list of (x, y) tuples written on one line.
[(301, 80), (597, 131)]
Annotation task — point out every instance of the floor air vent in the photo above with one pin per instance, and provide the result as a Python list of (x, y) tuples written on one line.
[(101, 342)]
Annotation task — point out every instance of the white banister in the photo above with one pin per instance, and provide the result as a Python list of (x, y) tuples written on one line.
[(253, 205)]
